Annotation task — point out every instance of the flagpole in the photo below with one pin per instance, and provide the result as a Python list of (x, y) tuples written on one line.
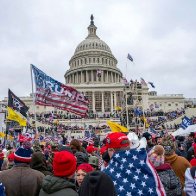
[(33, 94)]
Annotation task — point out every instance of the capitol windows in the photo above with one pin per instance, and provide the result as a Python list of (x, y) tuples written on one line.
[(102, 61), (89, 76), (106, 61), (169, 104), (81, 62), (93, 60), (176, 104), (89, 60), (84, 75), (98, 101), (97, 60), (85, 61), (94, 75), (89, 97), (107, 101)]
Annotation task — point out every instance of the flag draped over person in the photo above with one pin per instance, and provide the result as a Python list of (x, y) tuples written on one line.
[(15, 116), (115, 127), (50, 92), (133, 174), (16, 104)]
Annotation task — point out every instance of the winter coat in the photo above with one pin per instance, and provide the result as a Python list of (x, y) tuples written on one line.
[(190, 182), (38, 162), (169, 180), (56, 186), (21, 180), (179, 165)]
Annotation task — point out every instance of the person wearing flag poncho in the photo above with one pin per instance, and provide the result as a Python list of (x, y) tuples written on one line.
[(130, 169)]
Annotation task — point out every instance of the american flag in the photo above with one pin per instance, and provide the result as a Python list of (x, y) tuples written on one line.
[(133, 174), (143, 82), (88, 137), (50, 92)]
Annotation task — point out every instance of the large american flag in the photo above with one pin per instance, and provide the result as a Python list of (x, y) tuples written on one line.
[(50, 92), (133, 174)]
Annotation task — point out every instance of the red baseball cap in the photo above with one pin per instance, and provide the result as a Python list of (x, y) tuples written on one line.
[(117, 140), (91, 149)]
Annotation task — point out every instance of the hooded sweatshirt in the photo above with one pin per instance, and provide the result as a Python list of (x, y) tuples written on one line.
[(179, 165), (56, 186)]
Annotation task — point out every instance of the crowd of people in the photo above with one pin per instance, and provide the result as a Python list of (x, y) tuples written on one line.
[(122, 164)]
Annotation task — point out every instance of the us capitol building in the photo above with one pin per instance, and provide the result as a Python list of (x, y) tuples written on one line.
[(93, 71)]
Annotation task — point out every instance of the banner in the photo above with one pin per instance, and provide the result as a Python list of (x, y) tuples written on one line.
[(13, 115), (50, 92), (2, 124), (16, 104)]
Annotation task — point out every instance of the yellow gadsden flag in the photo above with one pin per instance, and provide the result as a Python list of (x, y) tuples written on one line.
[(115, 127), (13, 115)]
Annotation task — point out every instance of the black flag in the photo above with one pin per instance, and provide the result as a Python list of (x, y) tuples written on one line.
[(16, 104)]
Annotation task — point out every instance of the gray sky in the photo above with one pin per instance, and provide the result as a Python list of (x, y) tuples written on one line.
[(159, 34)]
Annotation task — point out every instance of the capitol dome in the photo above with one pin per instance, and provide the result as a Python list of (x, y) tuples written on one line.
[(92, 43), (93, 61)]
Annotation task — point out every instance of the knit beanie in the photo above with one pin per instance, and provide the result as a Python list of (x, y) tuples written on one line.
[(23, 155), (168, 144), (97, 183), (117, 140), (156, 155), (85, 167), (64, 164)]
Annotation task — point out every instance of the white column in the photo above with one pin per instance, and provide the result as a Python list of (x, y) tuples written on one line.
[(81, 79), (87, 79), (102, 75), (93, 101), (111, 94), (92, 78), (102, 103), (115, 103)]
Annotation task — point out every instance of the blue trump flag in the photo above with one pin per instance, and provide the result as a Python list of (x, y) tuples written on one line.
[(185, 122), (130, 57), (151, 84), (133, 174)]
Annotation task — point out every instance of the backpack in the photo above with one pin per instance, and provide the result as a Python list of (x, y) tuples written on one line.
[(170, 182)]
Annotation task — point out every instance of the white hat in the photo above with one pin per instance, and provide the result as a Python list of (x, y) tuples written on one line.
[(135, 142)]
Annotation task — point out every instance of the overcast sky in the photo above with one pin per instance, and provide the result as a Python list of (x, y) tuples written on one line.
[(159, 34)]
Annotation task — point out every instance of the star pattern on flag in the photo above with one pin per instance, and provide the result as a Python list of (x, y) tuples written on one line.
[(131, 174)]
